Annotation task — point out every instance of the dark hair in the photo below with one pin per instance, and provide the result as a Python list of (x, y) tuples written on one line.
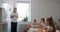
[(15, 8), (43, 19), (34, 20), (58, 19), (51, 23)]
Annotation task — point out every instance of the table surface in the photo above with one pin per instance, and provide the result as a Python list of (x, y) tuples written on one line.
[(36, 30), (41, 30)]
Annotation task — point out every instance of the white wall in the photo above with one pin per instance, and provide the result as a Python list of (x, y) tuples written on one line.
[(0, 2), (4, 14), (45, 8)]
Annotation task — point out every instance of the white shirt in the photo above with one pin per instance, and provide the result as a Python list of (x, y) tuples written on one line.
[(14, 19), (49, 28)]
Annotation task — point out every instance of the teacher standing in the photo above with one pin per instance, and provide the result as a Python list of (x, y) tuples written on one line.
[(14, 17)]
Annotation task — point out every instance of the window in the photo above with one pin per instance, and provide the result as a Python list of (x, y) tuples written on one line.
[(23, 10)]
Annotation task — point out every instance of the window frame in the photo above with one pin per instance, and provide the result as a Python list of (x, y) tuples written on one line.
[(29, 7)]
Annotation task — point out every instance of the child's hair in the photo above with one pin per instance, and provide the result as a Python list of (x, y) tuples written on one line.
[(34, 20), (58, 19), (43, 19), (51, 23)]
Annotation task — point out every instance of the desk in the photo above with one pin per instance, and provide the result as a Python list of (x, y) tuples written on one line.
[(32, 30), (41, 30), (36, 30)]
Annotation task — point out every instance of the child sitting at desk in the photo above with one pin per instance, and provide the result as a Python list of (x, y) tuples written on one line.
[(42, 22)]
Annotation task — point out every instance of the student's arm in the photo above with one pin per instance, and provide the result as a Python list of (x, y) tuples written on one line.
[(11, 16), (17, 16)]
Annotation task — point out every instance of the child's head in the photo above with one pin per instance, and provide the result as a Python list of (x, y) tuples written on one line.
[(43, 20), (14, 9), (47, 21), (59, 20), (34, 20)]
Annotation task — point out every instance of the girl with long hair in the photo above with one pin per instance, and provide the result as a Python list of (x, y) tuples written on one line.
[(50, 25)]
